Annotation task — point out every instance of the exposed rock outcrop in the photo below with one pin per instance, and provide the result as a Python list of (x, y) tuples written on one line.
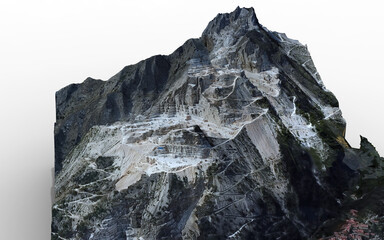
[(232, 136)]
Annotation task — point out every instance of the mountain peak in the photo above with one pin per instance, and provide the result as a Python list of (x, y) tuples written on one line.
[(239, 19), (231, 136)]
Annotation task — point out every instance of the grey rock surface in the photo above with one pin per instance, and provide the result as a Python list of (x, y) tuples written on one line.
[(232, 136)]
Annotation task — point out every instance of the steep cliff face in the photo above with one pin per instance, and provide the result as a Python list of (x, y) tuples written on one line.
[(232, 136)]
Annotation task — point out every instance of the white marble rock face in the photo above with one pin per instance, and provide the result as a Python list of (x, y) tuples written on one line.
[(232, 136)]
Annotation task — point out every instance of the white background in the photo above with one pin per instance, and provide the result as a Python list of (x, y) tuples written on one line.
[(46, 45)]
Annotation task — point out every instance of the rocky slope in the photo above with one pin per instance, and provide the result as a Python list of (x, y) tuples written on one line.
[(232, 136)]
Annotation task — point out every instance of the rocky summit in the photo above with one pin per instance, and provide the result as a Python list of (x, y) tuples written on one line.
[(232, 136)]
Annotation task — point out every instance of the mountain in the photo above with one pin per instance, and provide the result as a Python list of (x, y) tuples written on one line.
[(232, 136)]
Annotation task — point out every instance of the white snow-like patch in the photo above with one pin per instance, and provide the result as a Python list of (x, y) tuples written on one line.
[(131, 234), (169, 163), (267, 82), (239, 230), (147, 147), (228, 71), (151, 155), (298, 126)]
